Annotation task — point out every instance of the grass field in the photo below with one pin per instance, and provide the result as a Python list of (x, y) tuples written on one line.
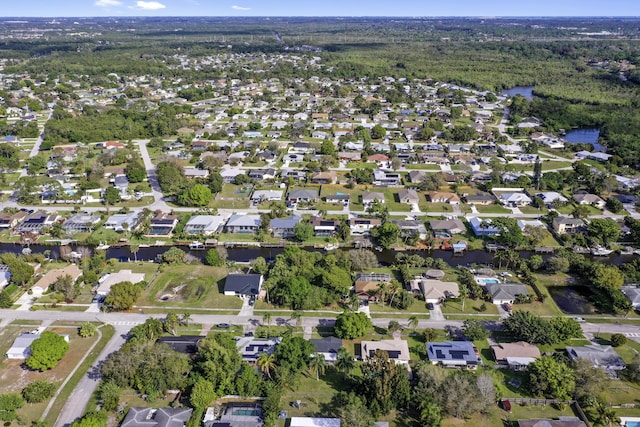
[(196, 286)]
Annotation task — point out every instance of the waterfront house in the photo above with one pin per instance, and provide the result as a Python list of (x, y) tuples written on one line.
[(243, 224), (243, 285), (162, 224), (324, 227), (483, 227), (567, 225), (284, 227), (204, 224), (123, 222), (505, 293)]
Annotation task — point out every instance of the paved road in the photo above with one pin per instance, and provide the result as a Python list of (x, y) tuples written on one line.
[(79, 398), (36, 147), (158, 203)]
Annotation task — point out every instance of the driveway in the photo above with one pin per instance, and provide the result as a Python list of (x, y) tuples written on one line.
[(247, 309), (79, 398), (436, 313)]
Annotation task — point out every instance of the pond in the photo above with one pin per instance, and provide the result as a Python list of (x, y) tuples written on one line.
[(572, 299), (526, 91), (586, 136)]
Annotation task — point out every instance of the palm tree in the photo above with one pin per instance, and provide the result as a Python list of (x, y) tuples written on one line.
[(297, 316), (344, 360), (186, 317), (394, 327), (501, 255), (266, 318), (395, 286), (413, 322), (134, 248), (266, 363), (383, 287), (318, 364)]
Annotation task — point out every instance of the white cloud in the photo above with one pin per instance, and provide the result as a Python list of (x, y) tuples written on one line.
[(234, 7), (108, 3), (150, 5)]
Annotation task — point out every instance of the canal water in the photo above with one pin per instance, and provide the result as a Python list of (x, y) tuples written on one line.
[(245, 254), (526, 91), (585, 136)]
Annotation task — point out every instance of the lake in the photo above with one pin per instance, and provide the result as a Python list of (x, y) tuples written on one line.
[(586, 136), (526, 91)]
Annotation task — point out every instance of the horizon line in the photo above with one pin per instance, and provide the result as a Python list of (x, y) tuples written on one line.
[(336, 16)]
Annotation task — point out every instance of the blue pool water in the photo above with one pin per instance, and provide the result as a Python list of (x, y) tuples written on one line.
[(632, 424), (488, 281)]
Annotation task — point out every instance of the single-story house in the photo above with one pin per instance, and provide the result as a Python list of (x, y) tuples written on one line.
[(163, 417), (411, 227), (284, 227), (515, 355), (596, 155), (262, 174), (535, 223), (633, 294), (122, 222), (368, 282), (435, 291), (449, 227), (163, 224), (5, 276), (259, 196), (20, 348), (377, 158), (337, 198), (502, 293), (386, 179), (314, 422), (306, 195), (483, 227), (204, 224), (250, 347), (324, 227), (369, 197), (567, 225), (545, 422), (36, 221), (454, 354), (81, 222), (243, 285), (195, 173), (589, 199), (514, 200), (416, 176), (243, 224), (328, 177), (8, 221), (229, 174), (362, 226), (396, 349), (328, 347), (551, 197), (409, 197), (482, 199), (602, 356), (350, 156), (53, 275), (443, 197), (106, 282)]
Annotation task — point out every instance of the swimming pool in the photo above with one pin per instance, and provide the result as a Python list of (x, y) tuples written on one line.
[(632, 424), (486, 281), (630, 421)]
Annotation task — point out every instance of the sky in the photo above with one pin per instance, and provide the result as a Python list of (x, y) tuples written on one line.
[(485, 8)]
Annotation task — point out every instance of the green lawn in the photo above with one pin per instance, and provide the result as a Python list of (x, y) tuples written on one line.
[(454, 306), (236, 191), (423, 167), (198, 286), (532, 210)]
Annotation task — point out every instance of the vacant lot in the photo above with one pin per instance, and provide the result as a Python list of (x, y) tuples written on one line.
[(189, 286)]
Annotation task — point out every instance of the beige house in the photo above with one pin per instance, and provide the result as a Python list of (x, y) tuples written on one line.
[(515, 355), (52, 276), (435, 291), (444, 197), (397, 349)]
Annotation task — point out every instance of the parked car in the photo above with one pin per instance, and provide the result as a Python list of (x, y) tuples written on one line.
[(430, 306), (223, 325)]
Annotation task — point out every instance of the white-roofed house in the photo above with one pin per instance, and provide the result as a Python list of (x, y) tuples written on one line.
[(204, 224), (314, 422), (243, 224), (123, 222), (106, 282)]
